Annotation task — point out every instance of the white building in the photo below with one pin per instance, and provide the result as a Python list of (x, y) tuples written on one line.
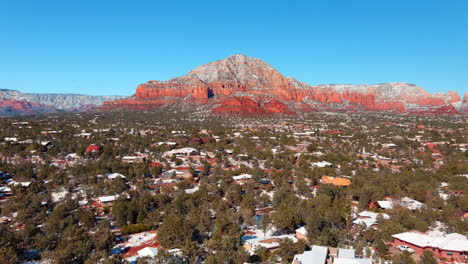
[(181, 152)]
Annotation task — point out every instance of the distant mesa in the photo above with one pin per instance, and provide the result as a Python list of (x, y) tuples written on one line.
[(249, 86), (13, 102)]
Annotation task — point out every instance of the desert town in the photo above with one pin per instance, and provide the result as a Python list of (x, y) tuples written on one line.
[(142, 188)]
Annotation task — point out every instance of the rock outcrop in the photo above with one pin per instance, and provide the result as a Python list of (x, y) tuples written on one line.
[(245, 85)]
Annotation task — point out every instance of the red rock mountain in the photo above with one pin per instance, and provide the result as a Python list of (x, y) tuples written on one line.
[(245, 85)]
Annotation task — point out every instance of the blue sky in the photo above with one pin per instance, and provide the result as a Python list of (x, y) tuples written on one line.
[(109, 47)]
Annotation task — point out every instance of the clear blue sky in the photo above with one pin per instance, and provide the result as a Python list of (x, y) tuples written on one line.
[(109, 47)]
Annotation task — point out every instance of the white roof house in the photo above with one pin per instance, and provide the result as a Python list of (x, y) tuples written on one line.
[(348, 256), (450, 242), (107, 199), (171, 172), (318, 255), (409, 203), (257, 239), (148, 252), (302, 231), (369, 218), (244, 176), (322, 164), (22, 184), (115, 175), (181, 152), (352, 261), (5, 189), (385, 204), (406, 202)]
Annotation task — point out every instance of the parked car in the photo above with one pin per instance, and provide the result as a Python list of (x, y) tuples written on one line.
[(405, 248), (119, 250)]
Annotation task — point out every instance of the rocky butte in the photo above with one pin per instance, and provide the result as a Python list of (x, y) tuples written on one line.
[(244, 85)]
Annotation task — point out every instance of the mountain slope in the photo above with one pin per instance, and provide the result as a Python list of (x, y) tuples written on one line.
[(14, 102), (245, 85)]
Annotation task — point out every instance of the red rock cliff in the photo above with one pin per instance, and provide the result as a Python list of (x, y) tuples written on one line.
[(241, 84)]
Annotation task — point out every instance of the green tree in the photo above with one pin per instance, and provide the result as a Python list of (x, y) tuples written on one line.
[(8, 255), (173, 231), (265, 224), (428, 258), (381, 248), (404, 258)]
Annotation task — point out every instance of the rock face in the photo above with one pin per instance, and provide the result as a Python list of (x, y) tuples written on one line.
[(14, 102), (244, 85)]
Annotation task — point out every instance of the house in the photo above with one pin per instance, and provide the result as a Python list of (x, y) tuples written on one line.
[(348, 256), (5, 192), (22, 184), (11, 139), (406, 202), (145, 252), (115, 175), (369, 219), (254, 239), (452, 247), (106, 200), (181, 152), (385, 204), (93, 148), (389, 146), (242, 179), (171, 173), (83, 135), (410, 204), (337, 181), (5, 176), (322, 164), (133, 159), (318, 255), (301, 233), (166, 143)]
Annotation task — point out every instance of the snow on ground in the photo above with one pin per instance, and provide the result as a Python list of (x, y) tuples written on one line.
[(257, 238), (437, 230), (59, 195), (193, 190), (269, 194)]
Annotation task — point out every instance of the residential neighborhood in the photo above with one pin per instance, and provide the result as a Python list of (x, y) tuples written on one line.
[(86, 188)]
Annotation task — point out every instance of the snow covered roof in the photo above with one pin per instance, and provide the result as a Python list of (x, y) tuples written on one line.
[(106, 199), (192, 190), (451, 242), (148, 252), (351, 261), (5, 189), (183, 151), (318, 255), (346, 253), (322, 164), (385, 204), (22, 184), (115, 175), (410, 203), (257, 238), (302, 231), (369, 218), (242, 177)]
